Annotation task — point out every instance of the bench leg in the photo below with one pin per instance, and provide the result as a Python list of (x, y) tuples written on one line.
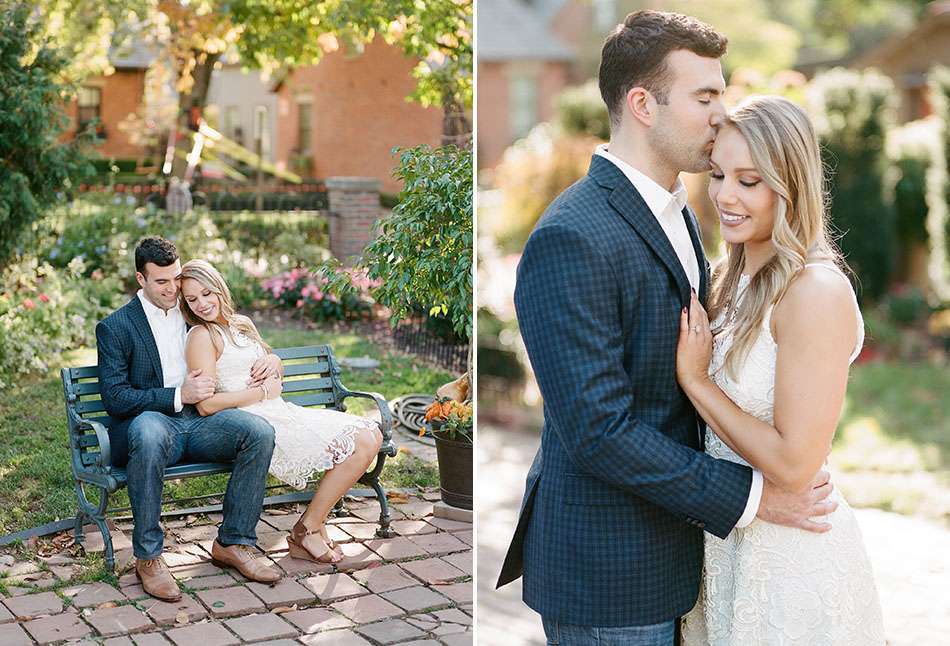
[(97, 514), (107, 541), (78, 534), (371, 478), (384, 530)]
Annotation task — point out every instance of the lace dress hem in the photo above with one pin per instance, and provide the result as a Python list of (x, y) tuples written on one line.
[(296, 471)]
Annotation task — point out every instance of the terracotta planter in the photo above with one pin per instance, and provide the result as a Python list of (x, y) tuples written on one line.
[(455, 470)]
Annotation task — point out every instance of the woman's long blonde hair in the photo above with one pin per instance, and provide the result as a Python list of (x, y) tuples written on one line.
[(210, 278), (785, 152)]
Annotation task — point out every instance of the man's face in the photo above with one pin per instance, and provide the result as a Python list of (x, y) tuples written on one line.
[(160, 284), (684, 129)]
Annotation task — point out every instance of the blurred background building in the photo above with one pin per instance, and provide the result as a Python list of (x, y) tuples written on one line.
[(341, 117)]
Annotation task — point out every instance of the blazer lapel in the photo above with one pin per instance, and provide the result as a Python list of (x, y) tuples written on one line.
[(144, 330), (630, 205), (692, 226)]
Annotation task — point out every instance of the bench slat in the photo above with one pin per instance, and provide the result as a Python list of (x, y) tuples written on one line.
[(307, 384), (295, 369), (319, 399), (87, 388), (83, 372), (90, 406), (303, 352), (87, 440), (89, 458)]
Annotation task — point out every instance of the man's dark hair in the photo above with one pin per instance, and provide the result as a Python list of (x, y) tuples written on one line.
[(635, 54), (154, 249)]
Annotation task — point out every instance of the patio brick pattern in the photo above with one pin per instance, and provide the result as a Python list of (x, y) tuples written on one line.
[(415, 588)]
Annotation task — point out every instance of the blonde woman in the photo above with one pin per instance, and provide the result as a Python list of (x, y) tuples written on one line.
[(769, 376), (225, 345)]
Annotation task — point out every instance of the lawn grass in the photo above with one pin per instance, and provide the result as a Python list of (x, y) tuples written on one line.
[(892, 448), (36, 484)]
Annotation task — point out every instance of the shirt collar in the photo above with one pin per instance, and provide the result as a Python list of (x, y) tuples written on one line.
[(151, 310), (658, 199)]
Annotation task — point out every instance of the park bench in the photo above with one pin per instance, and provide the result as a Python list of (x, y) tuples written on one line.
[(311, 378)]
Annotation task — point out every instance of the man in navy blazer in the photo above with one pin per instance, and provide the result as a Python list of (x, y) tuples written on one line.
[(610, 535), (150, 396)]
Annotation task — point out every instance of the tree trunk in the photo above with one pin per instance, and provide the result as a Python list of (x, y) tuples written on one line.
[(455, 126), (196, 98)]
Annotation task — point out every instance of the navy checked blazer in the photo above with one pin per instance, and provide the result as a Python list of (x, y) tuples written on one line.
[(611, 525), (130, 373)]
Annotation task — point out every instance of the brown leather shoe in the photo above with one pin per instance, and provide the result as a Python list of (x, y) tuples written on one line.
[(243, 559), (157, 580)]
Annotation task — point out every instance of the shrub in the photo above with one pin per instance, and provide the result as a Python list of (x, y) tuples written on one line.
[(582, 111), (45, 311), (906, 305), (938, 186), (853, 111), (422, 257), (308, 292), (911, 150), (36, 169), (102, 230), (532, 173)]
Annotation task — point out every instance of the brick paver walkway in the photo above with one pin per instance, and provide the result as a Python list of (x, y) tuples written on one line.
[(413, 589)]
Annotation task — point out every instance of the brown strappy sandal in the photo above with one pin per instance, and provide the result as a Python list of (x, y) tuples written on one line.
[(296, 549)]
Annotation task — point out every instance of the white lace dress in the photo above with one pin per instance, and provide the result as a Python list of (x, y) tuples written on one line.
[(307, 440), (771, 585)]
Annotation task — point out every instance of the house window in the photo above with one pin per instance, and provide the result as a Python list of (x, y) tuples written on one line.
[(90, 103), (304, 127), (232, 123), (524, 104), (262, 131)]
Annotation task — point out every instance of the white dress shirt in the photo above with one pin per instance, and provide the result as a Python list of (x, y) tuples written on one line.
[(169, 330), (667, 208)]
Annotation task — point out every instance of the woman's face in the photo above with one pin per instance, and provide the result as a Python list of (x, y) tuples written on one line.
[(202, 301), (746, 204)]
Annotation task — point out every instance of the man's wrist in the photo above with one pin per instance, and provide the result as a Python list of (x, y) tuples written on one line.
[(754, 500)]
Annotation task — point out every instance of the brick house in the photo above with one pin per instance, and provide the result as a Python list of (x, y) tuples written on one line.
[(112, 99), (522, 66), (343, 116), (907, 59)]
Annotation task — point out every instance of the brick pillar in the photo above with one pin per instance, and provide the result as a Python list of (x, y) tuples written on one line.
[(354, 210)]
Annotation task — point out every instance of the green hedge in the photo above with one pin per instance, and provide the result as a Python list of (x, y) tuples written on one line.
[(854, 111), (938, 186)]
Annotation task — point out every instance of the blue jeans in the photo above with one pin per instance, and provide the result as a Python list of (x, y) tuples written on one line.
[(157, 441), (559, 634)]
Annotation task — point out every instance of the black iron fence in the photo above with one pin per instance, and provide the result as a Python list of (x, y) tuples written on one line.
[(413, 337)]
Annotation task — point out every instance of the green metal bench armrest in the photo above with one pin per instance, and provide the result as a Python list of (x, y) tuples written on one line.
[(104, 461), (99, 480), (385, 415)]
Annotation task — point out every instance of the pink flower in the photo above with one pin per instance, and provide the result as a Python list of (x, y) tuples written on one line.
[(44, 298), (300, 303), (29, 304)]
